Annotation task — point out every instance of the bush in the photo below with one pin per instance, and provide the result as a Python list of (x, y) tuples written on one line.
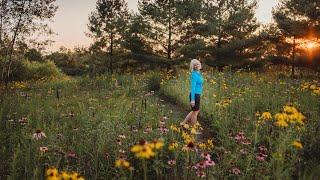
[(26, 70), (154, 82)]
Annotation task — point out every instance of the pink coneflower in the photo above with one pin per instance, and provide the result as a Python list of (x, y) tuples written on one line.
[(71, 154), (119, 141), (236, 171), (163, 129), (261, 157), (262, 148), (196, 167), (71, 114), (106, 155), (172, 162), (122, 136), (43, 149), (201, 165), (209, 163), (162, 123), (241, 138), (134, 129), (206, 156), (23, 121), (164, 118), (201, 174), (39, 135), (243, 151), (147, 129), (246, 142)]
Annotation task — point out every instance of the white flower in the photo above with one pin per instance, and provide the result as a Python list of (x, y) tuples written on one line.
[(39, 135)]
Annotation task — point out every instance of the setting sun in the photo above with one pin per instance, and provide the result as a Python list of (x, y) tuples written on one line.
[(311, 45)]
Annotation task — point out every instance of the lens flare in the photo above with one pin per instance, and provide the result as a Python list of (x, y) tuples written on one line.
[(311, 45)]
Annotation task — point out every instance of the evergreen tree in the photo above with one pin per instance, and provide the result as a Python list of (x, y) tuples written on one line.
[(162, 15), (135, 39), (191, 43), (107, 24), (230, 26), (298, 19)]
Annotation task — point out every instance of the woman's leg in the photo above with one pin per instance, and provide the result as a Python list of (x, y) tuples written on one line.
[(186, 120), (194, 117)]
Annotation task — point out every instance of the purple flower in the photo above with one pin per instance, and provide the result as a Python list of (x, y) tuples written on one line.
[(201, 174), (206, 156), (39, 135), (236, 171), (209, 163)]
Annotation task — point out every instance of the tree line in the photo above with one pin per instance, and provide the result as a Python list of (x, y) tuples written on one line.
[(219, 31), (163, 33)]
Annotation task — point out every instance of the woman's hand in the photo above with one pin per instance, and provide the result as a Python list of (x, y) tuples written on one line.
[(192, 103)]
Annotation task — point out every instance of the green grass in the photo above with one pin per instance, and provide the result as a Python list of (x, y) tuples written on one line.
[(229, 105), (86, 120), (83, 119)]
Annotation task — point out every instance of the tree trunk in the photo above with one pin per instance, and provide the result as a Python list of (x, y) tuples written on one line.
[(293, 56), (111, 52), (170, 32), (6, 72), (12, 49), (218, 54)]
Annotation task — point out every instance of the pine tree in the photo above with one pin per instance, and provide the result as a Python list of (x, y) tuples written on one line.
[(298, 19), (135, 37), (107, 24), (230, 26), (190, 13), (162, 15)]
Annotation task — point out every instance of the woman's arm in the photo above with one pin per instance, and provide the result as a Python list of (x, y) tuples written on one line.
[(193, 86)]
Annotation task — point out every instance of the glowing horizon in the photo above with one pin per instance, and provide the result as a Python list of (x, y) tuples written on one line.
[(70, 21)]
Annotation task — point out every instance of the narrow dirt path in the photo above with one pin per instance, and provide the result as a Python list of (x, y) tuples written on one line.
[(180, 112)]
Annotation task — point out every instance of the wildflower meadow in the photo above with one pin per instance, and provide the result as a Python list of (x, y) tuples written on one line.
[(115, 127)]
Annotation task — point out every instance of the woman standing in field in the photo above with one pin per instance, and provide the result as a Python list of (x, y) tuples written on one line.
[(195, 92)]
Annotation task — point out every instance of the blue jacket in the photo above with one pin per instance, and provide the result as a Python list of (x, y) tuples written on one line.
[(196, 84)]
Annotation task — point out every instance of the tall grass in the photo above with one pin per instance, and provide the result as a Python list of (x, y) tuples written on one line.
[(233, 102)]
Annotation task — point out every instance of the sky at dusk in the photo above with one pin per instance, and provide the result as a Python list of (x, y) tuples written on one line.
[(72, 16)]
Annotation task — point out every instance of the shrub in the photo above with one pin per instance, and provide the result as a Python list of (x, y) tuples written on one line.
[(154, 81), (25, 70)]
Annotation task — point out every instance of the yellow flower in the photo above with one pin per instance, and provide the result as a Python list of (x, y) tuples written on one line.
[(76, 176), (290, 109), (52, 174), (281, 116), (143, 150), (65, 175), (297, 144), (136, 148), (173, 146), (193, 131), (121, 163), (266, 116), (187, 138), (312, 87), (146, 152), (186, 126), (210, 144), (156, 144), (174, 128), (277, 155), (281, 123), (202, 146)]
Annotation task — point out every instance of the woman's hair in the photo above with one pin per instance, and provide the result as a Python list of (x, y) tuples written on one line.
[(193, 62)]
